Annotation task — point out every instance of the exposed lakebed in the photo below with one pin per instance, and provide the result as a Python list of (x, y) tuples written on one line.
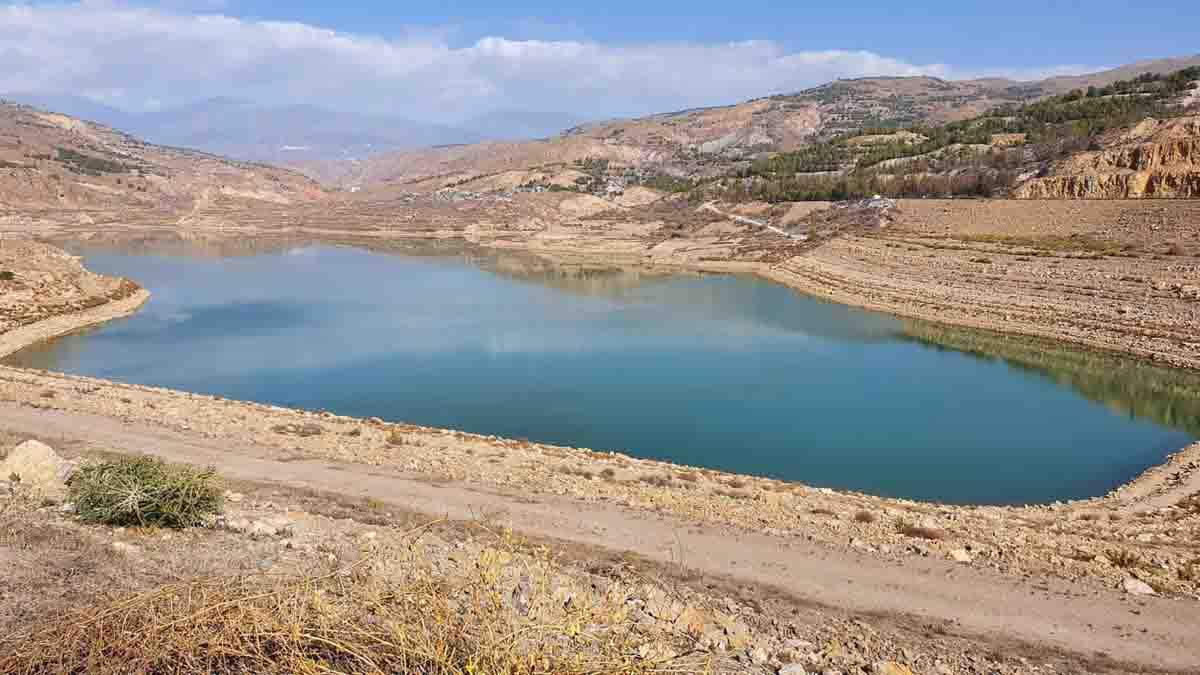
[(720, 371)]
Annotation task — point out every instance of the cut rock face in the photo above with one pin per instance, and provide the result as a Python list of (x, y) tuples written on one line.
[(35, 464)]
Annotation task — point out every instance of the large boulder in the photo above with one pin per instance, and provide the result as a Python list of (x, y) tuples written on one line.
[(35, 465)]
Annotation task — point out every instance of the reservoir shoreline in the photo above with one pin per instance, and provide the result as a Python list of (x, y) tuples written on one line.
[(695, 495)]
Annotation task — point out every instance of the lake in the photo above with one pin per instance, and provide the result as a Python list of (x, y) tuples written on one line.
[(727, 372)]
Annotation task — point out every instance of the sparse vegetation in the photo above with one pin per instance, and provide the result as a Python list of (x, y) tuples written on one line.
[(656, 479), (356, 622), (577, 472), (910, 529), (78, 162), (865, 517), (145, 491), (305, 430)]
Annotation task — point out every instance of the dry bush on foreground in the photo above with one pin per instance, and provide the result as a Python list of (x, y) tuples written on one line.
[(919, 532), (394, 612), (141, 491)]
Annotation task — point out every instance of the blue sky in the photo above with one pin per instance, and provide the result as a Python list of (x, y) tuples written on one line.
[(967, 34), (451, 60)]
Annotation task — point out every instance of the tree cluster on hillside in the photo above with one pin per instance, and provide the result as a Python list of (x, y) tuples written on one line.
[(959, 158)]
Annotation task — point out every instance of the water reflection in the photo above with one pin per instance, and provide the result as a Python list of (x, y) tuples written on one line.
[(728, 372), (1167, 396)]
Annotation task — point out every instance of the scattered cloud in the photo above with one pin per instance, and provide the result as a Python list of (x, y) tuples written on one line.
[(130, 55)]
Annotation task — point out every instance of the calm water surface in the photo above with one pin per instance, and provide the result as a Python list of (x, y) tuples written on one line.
[(718, 371)]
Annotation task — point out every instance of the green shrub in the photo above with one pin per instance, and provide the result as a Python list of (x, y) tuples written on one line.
[(5, 275), (145, 491)]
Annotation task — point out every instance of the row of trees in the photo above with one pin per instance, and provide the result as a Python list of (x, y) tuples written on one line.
[(860, 185)]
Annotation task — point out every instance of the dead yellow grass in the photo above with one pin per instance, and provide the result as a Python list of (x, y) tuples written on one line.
[(392, 612)]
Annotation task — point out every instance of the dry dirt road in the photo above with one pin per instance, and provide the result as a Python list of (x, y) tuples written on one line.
[(1030, 615)]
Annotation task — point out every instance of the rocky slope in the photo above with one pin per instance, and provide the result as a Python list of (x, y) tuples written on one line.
[(39, 281), (1156, 158), (53, 161)]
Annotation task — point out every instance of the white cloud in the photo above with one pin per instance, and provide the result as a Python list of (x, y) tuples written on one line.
[(127, 55)]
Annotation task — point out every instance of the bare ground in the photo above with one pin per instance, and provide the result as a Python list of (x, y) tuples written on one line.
[(1077, 618)]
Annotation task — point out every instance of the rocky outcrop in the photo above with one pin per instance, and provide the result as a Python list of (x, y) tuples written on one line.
[(1156, 158), (45, 292), (35, 465)]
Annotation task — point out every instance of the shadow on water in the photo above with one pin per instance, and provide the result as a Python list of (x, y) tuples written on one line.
[(1165, 396)]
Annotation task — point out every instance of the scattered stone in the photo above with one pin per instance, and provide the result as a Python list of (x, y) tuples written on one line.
[(260, 529), (961, 555), (793, 669), (891, 668), (656, 652), (1137, 587), (35, 464), (124, 548), (758, 655), (237, 525)]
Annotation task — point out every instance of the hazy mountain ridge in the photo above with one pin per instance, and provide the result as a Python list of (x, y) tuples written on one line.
[(284, 134), (706, 142)]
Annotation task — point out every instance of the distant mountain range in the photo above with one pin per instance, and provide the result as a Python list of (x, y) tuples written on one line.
[(283, 134), (708, 142)]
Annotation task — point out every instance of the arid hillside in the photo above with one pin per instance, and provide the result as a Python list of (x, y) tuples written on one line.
[(709, 141), (52, 161)]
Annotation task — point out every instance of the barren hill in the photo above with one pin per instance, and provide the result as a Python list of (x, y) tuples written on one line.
[(53, 161)]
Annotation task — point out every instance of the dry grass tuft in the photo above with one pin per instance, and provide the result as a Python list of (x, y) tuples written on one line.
[(577, 472), (909, 529), (353, 620), (865, 517), (661, 480), (305, 430)]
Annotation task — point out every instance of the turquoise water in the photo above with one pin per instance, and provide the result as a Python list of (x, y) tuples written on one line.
[(719, 371)]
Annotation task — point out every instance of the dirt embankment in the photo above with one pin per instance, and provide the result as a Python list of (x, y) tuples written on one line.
[(45, 293)]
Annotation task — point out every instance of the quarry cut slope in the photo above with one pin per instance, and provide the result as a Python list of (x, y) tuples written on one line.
[(1156, 158)]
